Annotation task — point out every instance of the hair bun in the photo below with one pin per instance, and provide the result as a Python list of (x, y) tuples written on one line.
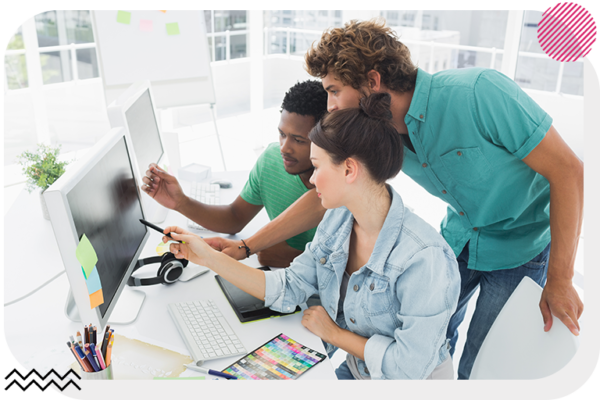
[(377, 106)]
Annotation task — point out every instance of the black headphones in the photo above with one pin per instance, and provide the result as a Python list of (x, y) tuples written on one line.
[(169, 272)]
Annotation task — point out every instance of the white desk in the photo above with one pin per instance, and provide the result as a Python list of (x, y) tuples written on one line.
[(39, 319)]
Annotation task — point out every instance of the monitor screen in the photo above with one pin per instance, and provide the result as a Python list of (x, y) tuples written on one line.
[(106, 207), (141, 122)]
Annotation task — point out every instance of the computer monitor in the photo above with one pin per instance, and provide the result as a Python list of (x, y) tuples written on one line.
[(134, 110), (98, 197)]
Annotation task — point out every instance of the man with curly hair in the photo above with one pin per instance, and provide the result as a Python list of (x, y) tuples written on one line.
[(473, 138), (279, 177)]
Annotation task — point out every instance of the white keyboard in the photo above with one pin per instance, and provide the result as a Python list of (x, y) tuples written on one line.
[(206, 193), (205, 331)]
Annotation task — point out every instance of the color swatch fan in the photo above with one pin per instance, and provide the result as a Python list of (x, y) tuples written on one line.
[(566, 32), (281, 358)]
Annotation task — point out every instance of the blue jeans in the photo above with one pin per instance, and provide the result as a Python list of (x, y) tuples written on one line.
[(495, 287)]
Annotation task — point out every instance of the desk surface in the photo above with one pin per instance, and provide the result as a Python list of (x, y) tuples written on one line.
[(44, 309)]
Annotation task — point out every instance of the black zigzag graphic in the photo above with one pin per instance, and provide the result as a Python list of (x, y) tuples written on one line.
[(42, 388)]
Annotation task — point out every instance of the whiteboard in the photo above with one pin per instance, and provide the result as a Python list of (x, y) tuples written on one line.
[(140, 47)]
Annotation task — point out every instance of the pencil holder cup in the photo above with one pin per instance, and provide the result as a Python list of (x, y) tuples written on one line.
[(106, 373)]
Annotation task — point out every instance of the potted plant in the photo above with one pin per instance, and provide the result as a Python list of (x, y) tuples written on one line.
[(42, 169)]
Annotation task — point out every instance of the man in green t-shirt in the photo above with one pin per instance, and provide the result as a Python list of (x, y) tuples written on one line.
[(279, 177)]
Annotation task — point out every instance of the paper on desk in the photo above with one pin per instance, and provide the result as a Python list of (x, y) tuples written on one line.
[(135, 359)]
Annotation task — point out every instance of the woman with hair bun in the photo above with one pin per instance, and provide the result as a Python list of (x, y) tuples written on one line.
[(388, 282)]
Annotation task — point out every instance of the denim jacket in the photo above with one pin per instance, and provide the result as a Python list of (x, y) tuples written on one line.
[(401, 300)]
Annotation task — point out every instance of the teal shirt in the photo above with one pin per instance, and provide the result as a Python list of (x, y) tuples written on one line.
[(471, 128), (270, 185)]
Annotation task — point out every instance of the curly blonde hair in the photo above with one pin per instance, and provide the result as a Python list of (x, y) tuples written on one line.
[(359, 47)]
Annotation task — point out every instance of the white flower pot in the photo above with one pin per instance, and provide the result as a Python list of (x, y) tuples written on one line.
[(44, 207)]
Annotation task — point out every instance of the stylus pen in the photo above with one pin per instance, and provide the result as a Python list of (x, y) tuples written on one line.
[(209, 371), (156, 228)]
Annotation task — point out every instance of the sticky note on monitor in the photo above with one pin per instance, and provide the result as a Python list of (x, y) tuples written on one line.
[(96, 299), (86, 255), (123, 17), (93, 281), (172, 28)]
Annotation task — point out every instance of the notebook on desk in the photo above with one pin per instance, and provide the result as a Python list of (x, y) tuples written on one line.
[(247, 307)]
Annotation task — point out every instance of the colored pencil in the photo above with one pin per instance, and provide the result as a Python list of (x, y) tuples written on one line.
[(79, 338), (105, 344), (88, 355), (85, 362), (100, 360), (86, 335), (75, 354), (109, 351)]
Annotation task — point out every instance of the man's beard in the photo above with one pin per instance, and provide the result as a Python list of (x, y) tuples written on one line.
[(302, 172)]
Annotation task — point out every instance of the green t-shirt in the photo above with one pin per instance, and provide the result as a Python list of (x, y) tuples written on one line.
[(471, 129), (270, 185)]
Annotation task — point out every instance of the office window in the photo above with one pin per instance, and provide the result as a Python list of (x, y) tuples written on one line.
[(485, 29), (218, 22), (306, 26), (56, 66), (535, 70), (15, 64), (62, 28)]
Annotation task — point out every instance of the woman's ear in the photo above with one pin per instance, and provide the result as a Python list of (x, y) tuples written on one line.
[(374, 80), (351, 170)]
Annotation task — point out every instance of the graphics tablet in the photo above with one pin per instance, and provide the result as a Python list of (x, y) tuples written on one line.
[(247, 307)]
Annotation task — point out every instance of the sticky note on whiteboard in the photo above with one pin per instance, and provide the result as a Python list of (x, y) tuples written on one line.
[(123, 17), (172, 28), (145, 25)]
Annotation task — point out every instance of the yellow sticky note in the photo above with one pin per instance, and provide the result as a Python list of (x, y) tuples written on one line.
[(163, 11), (86, 255), (96, 299)]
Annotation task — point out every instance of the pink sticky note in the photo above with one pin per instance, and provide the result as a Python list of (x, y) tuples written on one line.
[(145, 25)]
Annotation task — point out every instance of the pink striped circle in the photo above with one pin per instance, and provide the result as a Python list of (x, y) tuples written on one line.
[(566, 32)]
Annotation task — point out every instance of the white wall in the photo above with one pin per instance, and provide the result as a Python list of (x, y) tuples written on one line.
[(567, 115)]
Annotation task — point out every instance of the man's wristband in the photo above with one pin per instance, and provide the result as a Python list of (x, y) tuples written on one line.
[(245, 246)]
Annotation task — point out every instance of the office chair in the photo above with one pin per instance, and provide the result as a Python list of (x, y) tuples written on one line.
[(516, 347)]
